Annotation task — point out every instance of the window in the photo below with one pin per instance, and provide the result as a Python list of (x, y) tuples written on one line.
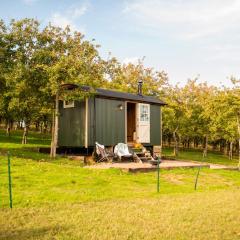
[(144, 113), (68, 104)]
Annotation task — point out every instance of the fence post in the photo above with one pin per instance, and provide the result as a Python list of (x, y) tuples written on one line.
[(9, 180), (196, 180), (199, 168), (158, 174)]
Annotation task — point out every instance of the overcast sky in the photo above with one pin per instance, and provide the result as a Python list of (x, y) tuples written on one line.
[(186, 38)]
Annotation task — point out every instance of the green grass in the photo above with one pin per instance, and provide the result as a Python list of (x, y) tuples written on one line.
[(196, 155), (35, 183), (14, 141), (213, 215), (62, 200)]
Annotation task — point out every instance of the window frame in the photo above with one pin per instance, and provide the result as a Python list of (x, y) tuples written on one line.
[(145, 112), (68, 104)]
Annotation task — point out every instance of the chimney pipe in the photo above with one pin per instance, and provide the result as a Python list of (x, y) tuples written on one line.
[(140, 83)]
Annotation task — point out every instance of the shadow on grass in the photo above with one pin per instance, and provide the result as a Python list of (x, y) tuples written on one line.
[(190, 154), (34, 138), (31, 153), (31, 233), (26, 153)]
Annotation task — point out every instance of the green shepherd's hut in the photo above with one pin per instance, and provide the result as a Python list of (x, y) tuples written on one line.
[(109, 117)]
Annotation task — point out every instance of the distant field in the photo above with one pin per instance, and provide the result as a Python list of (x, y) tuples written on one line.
[(40, 140), (196, 155), (62, 200)]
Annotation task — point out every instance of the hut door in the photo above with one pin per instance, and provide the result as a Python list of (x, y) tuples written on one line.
[(143, 123), (131, 122)]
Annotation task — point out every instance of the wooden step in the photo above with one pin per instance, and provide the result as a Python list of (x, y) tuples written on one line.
[(145, 159), (136, 150), (140, 154)]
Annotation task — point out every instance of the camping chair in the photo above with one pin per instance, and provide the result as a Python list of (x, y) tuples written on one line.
[(121, 150), (102, 155)]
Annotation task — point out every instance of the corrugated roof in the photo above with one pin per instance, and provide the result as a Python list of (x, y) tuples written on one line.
[(100, 92), (128, 96)]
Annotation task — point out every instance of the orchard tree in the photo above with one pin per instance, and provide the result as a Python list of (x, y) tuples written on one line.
[(67, 58), (24, 79), (126, 77), (38, 63), (174, 116), (197, 98), (6, 65)]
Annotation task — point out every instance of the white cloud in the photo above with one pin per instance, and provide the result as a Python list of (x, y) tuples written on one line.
[(69, 17), (76, 12), (224, 53), (29, 2), (186, 19), (60, 20), (189, 37)]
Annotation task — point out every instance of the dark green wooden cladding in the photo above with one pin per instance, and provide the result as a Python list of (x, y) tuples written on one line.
[(110, 121), (72, 125), (91, 122), (106, 127), (155, 125)]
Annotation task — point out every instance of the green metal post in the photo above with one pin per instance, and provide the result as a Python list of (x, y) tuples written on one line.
[(196, 181), (9, 181), (199, 168), (158, 175)]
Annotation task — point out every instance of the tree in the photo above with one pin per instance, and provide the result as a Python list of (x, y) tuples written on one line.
[(69, 59), (126, 77), (173, 116), (24, 78), (38, 62)]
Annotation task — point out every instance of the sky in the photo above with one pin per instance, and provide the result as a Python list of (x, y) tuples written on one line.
[(185, 38)]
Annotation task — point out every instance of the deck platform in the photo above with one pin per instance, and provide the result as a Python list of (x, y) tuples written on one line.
[(147, 167)]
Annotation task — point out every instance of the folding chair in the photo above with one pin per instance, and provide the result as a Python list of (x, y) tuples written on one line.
[(121, 150), (102, 155)]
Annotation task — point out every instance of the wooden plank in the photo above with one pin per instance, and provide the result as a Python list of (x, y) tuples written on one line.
[(86, 124)]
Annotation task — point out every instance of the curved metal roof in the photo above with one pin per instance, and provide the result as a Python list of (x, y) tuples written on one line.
[(128, 96), (105, 93)]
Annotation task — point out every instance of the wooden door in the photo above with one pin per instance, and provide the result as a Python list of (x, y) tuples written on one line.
[(143, 123), (131, 121)]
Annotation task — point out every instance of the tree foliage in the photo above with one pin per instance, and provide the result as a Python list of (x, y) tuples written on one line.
[(36, 60)]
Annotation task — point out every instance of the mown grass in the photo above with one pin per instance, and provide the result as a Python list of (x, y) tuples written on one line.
[(28, 151), (62, 200), (35, 139), (196, 155), (38, 182), (213, 215)]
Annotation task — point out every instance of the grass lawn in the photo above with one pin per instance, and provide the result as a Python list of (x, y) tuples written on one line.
[(62, 200), (196, 155)]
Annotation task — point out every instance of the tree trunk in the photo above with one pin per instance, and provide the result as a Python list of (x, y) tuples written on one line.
[(41, 127), (169, 141), (8, 129), (221, 146), (37, 126), (25, 133), (175, 149), (55, 129), (238, 123), (205, 150), (226, 148), (230, 153), (45, 127), (52, 130)]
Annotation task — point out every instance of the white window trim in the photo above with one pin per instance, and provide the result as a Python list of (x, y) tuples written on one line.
[(68, 105)]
